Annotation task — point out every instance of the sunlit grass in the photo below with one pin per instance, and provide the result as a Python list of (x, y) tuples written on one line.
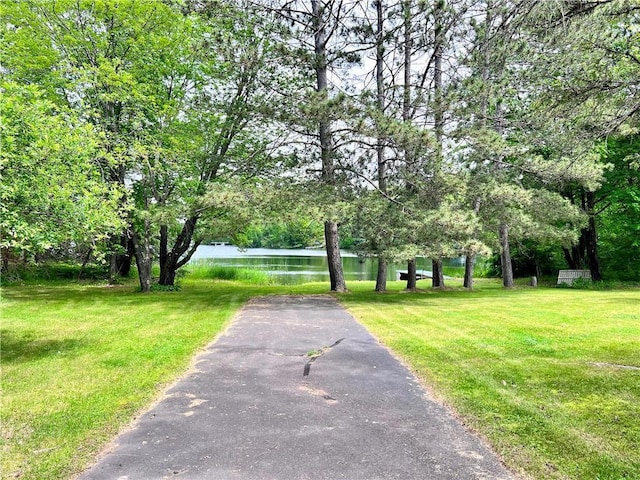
[(542, 373), (197, 271), (78, 362), (527, 367)]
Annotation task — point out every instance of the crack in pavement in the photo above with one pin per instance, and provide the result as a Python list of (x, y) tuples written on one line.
[(317, 354), (287, 354)]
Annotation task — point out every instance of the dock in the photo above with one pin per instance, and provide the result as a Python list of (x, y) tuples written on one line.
[(420, 274)]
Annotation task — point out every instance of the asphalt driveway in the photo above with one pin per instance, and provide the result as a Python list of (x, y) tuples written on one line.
[(297, 389)]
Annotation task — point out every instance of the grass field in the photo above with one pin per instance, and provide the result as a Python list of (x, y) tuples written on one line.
[(550, 376), (79, 361), (540, 373)]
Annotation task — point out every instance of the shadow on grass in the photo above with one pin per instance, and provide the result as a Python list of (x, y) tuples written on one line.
[(424, 296), (635, 301), (126, 295), (24, 348)]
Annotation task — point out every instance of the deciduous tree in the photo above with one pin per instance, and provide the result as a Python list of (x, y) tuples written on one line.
[(52, 190)]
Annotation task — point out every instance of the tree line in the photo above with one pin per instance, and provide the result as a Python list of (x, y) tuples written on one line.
[(137, 130)]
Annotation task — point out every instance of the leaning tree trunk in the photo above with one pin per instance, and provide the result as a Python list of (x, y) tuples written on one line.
[(585, 253), (183, 249), (570, 257), (505, 256), (124, 266), (592, 252), (411, 274), (577, 256)]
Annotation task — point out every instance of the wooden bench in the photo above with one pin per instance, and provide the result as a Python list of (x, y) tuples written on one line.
[(568, 276)]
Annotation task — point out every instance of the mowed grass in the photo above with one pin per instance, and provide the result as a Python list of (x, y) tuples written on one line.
[(551, 377), (78, 363), (524, 367)]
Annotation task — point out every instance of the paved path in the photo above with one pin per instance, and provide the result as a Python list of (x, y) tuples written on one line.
[(248, 411)]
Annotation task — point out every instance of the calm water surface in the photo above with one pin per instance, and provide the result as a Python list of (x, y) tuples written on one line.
[(303, 265)]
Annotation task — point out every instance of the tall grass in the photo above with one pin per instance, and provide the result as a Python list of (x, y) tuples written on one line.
[(204, 271)]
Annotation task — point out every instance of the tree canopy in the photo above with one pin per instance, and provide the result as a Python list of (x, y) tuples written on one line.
[(52, 191), (141, 129)]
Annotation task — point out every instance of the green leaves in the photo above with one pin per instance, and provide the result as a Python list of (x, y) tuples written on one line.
[(51, 189)]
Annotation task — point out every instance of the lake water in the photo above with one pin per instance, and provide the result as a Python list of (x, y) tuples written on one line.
[(304, 265)]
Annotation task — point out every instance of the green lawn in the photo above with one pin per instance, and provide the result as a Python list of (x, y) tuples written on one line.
[(79, 361), (539, 372)]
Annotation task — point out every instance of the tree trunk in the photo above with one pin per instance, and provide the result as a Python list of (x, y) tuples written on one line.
[(585, 253), (408, 46), (168, 272), (113, 268), (144, 257), (437, 275), (406, 112), (505, 256), (334, 260), (167, 261), (592, 241), (327, 148), (164, 248), (183, 249), (575, 257), (124, 264), (412, 282), (121, 245), (468, 271), (470, 262), (569, 257), (438, 114), (382, 165), (5, 260), (381, 279), (120, 261), (85, 260)]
